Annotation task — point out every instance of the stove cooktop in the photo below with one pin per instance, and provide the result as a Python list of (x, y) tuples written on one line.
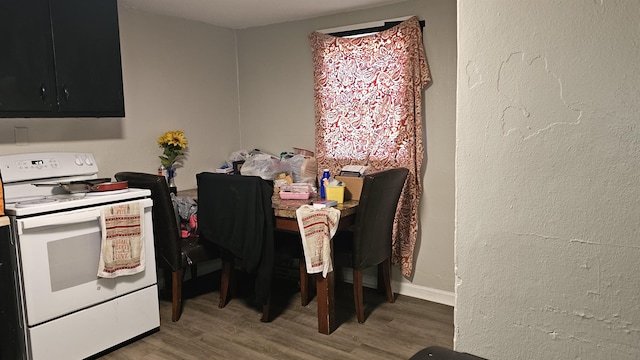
[(42, 200)]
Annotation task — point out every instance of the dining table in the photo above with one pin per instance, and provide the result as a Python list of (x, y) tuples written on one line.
[(285, 219)]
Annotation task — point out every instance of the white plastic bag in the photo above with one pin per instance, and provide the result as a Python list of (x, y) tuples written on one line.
[(265, 166), (303, 169), (240, 155)]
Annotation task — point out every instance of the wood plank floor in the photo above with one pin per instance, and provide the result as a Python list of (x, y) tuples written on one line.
[(391, 331)]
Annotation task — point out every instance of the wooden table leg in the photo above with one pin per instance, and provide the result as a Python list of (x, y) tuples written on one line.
[(326, 303), (325, 290), (325, 287)]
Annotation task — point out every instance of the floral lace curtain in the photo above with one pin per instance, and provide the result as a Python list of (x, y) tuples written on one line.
[(368, 101)]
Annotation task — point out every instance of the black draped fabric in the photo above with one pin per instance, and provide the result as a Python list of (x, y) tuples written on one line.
[(235, 213)]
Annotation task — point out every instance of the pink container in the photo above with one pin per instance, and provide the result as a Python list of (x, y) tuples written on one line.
[(297, 191)]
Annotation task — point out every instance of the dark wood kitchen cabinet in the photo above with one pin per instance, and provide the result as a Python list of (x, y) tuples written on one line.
[(60, 58)]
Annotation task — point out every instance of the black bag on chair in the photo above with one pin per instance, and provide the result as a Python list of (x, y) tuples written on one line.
[(235, 213)]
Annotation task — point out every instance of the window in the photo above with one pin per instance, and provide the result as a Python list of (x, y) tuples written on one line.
[(368, 99)]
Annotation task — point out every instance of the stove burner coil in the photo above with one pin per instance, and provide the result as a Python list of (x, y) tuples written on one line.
[(35, 202)]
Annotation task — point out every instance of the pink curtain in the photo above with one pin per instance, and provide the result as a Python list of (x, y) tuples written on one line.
[(368, 101)]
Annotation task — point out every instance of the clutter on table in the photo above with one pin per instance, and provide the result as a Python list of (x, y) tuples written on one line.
[(299, 164), (298, 191)]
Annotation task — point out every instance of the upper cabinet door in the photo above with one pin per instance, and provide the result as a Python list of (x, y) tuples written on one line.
[(60, 58), (87, 57), (27, 78)]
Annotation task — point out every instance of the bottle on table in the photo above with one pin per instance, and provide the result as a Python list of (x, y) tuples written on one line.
[(325, 177)]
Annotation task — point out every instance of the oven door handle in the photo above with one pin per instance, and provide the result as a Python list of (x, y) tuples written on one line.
[(64, 219)]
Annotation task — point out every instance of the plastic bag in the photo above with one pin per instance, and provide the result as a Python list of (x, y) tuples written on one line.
[(186, 210), (303, 169), (265, 166), (240, 155), (185, 206)]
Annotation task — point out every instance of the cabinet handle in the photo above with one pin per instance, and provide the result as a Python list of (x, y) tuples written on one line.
[(65, 93), (43, 92)]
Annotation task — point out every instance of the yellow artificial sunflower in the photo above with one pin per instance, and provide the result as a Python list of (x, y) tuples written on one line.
[(173, 144)]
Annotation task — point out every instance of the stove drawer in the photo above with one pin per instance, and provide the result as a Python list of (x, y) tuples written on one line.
[(90, 331)]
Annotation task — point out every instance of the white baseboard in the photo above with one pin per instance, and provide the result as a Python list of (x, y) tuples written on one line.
[(368, 279), (408, 289), (425, 293)]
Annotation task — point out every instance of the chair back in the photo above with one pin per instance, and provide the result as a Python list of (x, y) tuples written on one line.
[(235, 213), (373, 229), (166, 230)]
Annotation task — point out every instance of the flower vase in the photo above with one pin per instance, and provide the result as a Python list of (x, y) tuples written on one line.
[(171, 173)]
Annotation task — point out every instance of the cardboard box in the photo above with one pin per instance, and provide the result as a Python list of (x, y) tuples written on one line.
[(353, 186)]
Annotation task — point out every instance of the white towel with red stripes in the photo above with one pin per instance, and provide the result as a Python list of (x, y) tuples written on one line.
[(317, 227), (122, 250)]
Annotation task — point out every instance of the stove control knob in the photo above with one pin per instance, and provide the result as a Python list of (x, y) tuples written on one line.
[(78, 161), (88, 160)]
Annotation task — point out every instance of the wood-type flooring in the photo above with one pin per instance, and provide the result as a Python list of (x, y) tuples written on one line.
[(391, 331)]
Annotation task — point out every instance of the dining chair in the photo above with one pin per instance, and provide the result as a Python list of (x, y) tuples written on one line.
[(235, 214), (368, 242), (441, 353), (173, 253), (288, 246)]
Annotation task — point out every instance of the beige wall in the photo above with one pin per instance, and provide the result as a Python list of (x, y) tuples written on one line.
[(548, 180), (276, 98), (177, 74), (181, 74)]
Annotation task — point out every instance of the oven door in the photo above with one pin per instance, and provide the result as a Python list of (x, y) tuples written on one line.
[(59, 254)]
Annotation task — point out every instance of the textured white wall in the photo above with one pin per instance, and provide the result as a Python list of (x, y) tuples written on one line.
[(178, 74), (548, 179)]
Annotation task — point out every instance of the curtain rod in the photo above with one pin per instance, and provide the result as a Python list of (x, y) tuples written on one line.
[(375, 29)]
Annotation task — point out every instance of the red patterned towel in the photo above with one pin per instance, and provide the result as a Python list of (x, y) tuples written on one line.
[(122, 251), (317, 227)]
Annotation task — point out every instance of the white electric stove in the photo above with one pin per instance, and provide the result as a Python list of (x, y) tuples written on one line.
[(65, 311), (21, 173)]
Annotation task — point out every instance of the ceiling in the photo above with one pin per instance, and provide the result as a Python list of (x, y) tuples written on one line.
[(241, 14)]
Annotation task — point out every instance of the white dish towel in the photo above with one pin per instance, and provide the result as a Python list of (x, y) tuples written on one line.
[(317, 227), (122, 250)]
